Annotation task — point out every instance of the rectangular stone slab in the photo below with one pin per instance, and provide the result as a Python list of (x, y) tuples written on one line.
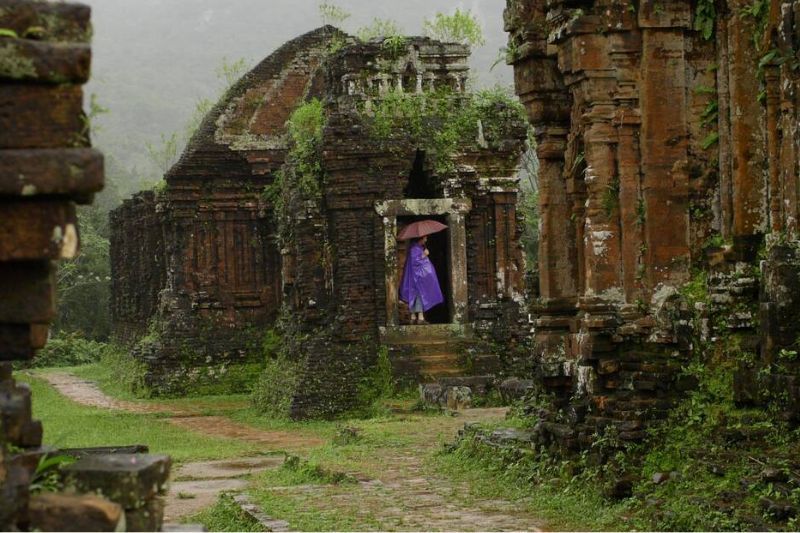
[(38, 230), (64, 512), (19, 342), (51, 171), (45, 62), (79, 453), (130, 480), (41, 116), (27, 290), (58, 21)]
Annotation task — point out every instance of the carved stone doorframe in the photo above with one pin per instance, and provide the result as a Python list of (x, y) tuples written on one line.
[(455, 209)]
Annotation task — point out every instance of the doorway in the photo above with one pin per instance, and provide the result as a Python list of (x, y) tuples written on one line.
[(439, 247)]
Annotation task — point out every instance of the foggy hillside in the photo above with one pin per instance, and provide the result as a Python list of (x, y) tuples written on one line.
[(154, 59)]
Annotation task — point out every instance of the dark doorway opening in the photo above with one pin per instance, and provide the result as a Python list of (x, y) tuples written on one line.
[(420, 183), (439, 246)]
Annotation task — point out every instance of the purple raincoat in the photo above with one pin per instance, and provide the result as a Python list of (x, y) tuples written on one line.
[(419, 279)]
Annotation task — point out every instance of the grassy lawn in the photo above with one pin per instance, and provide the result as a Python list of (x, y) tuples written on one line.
[(106, 379), (68, 425), (562, 507)]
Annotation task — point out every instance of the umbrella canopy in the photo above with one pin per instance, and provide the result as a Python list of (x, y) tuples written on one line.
[(419, 229)]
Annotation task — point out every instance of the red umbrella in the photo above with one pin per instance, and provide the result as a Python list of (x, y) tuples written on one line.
[(419, 229)]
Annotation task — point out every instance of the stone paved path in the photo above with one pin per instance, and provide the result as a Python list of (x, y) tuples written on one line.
[(395, 491)]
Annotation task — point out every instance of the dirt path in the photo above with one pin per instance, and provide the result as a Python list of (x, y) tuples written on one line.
[(395, 490), (406, 496)]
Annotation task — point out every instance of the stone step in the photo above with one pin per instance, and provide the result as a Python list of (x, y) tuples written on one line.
[(436, 373), (431, 333)]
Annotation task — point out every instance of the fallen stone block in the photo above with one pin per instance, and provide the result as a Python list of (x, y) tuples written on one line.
[(458, 398), (131, 480), (149, 517), (67, 512)]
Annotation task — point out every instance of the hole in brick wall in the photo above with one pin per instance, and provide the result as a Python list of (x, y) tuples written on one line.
[(420, 183), (439, 246)]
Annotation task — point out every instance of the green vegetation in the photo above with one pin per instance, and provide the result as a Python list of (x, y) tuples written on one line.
[(331, 14), (380, 29), (84, 289), (705, 16), (71, 425), (706, 454), (758, 12), (441, 122), (15, 65), (69, 349), (272, 393), (225, 515), (460, 27), (376, 386), (538, 484)]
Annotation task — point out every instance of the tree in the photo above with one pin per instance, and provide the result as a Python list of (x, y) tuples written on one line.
[(331, 14), (460, 27), (84, 282), (380, 28)]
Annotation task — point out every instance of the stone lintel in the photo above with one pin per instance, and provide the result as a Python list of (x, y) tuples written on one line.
[(423, 206), (45, 62), (27, 290), (38, 230), (71, 171)]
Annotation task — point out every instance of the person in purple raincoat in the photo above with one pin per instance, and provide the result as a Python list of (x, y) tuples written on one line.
[(420, 286)]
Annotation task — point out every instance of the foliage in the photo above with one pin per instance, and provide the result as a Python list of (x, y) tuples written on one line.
[(70, 425), (331, 14), (441, 122), (229, 72), (394, 45), (380, 29), (273, 391), (305, 133), (165, 153), (83, 283), (47, 476), (377, 385), (705, 17), (69, 349), (758, 12), (302, 177), (300, 471), (226, 515), (710, 140), (460, 27), (126, 371)]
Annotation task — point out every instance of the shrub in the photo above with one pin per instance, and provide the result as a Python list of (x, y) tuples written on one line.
[(125, 370), (460, 27), (273, 392), (68, 349), (378, 384)]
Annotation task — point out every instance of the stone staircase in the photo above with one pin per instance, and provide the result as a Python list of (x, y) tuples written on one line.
[(440, 355)]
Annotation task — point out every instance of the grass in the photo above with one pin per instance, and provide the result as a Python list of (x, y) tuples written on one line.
[(561, 508), (107, 382), (225, 515), (68, 424)]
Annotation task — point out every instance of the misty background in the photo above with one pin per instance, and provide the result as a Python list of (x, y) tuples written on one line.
[(154, 60)]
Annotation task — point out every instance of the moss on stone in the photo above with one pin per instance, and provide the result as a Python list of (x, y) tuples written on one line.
[(14, 65)]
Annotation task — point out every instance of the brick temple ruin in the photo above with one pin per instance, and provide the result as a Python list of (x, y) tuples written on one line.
[(47, 166), (663, 151), (203, 260)]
